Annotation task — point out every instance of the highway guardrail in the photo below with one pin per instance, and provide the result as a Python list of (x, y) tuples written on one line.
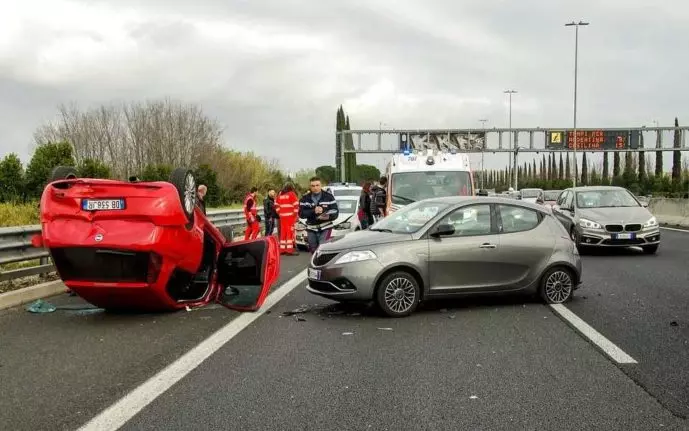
[(16, 247)]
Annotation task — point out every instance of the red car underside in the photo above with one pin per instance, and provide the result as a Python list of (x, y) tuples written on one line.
[(144, 256)]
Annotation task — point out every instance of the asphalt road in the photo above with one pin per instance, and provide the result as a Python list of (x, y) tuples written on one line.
[(486, 363), (58, 370)]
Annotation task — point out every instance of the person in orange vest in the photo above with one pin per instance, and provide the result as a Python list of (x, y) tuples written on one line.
[(287, 209), (253, 225)]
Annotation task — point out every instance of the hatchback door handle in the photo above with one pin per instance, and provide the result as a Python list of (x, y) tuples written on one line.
[(487, 245)]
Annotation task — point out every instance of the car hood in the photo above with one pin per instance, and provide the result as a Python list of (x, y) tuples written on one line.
[(363, 238), (342, 218), (619, 215)]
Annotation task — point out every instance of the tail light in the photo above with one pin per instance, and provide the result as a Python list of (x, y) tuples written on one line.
[(155, 263)]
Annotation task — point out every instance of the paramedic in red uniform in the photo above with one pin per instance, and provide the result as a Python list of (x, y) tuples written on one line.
[(253, 225), (287, 209)]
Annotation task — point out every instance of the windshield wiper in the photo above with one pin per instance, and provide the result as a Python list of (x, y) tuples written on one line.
[(381, 230), (409, 200)]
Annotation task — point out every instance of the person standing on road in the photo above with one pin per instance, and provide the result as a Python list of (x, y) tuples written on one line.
[(201, 192), (364, 213), (269, 212), (319, 208), (379, 199), (253, 225), (287, 208)]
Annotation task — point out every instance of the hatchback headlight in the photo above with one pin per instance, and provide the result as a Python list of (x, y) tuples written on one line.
[(652, 222), (301, 226), (356, 256), (588, 224), (343, 225)]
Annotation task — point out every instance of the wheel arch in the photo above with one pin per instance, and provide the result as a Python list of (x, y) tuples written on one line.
[(400, 267)]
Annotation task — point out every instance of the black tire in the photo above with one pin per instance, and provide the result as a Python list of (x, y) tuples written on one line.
[(402, 286), (62, 173), (557, 285), (650, 249), (185, 183)]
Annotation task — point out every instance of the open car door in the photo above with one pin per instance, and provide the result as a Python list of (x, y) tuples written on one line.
[(246, 272)]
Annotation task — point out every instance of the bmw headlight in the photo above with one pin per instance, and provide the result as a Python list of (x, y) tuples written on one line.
[(356, 256), (651, 223), (588, 224)]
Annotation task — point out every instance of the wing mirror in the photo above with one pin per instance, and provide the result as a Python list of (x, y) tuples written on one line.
[(644, 204), (443, 230)]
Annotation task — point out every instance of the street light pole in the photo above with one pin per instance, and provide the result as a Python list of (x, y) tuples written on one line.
[(483, 152), (511, 92), (576, 70)]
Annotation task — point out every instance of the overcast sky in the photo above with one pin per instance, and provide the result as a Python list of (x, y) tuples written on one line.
[(274, 72)]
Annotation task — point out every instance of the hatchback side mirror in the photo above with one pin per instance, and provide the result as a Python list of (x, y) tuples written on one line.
[(443, 230)]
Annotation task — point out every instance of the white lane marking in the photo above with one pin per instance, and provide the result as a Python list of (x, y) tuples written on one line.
[(607, 346), (675, 229), (127, 407)]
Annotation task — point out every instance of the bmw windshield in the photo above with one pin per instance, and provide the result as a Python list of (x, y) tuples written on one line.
[(408, 187), (606, 199)]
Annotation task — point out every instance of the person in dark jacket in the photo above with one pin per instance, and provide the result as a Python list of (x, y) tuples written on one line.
[(364, 213), (269, 212), (201, 192), (319, 208), (379, 198)]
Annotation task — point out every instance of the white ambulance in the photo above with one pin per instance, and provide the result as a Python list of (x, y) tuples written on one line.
[(414, 176)]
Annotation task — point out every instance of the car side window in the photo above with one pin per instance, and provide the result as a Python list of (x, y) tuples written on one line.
[(569, 199), (470, 220), (561, 198), (517, 219)]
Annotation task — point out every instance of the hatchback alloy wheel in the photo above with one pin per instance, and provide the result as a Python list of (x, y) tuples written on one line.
[(398, 294), (557, 286)]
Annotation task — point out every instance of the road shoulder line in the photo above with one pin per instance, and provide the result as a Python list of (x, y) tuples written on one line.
[(587, 331), (113, 417), (675, 229)]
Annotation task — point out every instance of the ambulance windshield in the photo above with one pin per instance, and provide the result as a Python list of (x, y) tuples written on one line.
[(408, 187)]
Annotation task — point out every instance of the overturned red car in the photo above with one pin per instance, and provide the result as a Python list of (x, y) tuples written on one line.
[(147, 246)]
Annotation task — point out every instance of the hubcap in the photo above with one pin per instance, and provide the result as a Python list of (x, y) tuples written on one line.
[(400, 295), (189, 193), (558, 287)]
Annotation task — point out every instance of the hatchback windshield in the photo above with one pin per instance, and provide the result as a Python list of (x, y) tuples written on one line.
[(408, 187), (606, 199), (551, 195), (346, 206), (410, 218)]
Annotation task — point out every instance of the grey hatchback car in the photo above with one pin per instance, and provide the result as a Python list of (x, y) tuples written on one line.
[(445, 247)]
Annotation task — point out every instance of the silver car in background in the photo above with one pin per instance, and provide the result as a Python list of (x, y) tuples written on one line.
[(346, 222), (530, 195), (445, 247), (607, 216)]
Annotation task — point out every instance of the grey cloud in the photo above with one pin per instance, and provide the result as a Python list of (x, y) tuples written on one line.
[(282, 104)]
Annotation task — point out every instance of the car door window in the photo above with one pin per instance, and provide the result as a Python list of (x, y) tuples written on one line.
[(561, 198), (470, 220), (569, 200), (517, 219)]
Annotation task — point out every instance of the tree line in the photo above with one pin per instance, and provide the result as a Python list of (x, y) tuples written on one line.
[(632, 170), (637, 173), (146, 139)]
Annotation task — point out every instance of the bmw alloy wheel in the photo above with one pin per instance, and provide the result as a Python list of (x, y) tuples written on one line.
[(558, 287), (400, 295)]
